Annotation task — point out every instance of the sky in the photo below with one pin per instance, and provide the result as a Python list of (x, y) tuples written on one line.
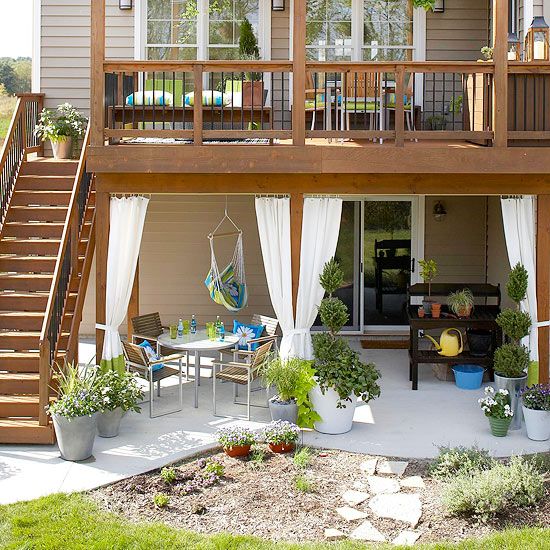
[(16, 28)]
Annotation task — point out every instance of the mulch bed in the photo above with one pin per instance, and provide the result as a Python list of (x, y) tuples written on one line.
[(262, 500)]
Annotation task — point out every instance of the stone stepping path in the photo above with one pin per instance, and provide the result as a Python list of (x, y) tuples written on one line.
[(385, 482)]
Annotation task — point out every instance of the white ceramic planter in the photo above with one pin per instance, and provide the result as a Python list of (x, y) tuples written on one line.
[(333, 420), (537, 424), (514, 387)]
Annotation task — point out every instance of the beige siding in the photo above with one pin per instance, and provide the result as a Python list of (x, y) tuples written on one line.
[(280, 49), (175, 258)]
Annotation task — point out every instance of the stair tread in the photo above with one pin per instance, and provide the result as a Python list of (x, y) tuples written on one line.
[(31, 398), (22, 376), (26, 276)]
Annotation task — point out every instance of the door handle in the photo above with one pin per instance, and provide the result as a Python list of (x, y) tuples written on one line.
[(412, 265)]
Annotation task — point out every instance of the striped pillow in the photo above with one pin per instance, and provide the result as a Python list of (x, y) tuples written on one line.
[(209, 97), (159, 97)]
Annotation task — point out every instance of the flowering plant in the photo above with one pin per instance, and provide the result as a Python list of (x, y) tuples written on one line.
[(537, 397), (281, 431), (119, 390), (236, 436), (61, 123), (77, 392), (496, 404)]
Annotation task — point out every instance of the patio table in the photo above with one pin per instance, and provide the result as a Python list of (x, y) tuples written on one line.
[(198, 343)]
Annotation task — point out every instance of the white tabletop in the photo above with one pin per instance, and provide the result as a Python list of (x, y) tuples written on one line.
[(198, 341)]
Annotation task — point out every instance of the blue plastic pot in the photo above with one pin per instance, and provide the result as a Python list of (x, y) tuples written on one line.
[(468, 377)]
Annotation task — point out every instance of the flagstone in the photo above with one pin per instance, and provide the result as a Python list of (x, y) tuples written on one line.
[(353, 498), (369, 466), (334, 534), (395, 467), (406, 538), (401, 507), (351, 514), (379, 485), (367, 531), (412, 482)]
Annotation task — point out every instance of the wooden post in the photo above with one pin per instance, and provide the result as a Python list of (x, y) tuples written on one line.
[(299, 74), (500, 82), (102, 223), (197, 105), (133, 305), (543, 284), (400, 106), (296, 214), (97, 82)]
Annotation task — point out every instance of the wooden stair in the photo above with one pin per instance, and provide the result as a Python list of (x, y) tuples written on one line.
[(30, 240)]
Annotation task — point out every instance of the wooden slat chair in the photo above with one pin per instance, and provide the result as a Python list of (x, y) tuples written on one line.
[(138, 361), (270, 334), (241, 374)]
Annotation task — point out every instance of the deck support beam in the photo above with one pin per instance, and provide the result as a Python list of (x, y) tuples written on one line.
[(543, 284), (500, 83), (102, 217), (299, 74), (296, 214)]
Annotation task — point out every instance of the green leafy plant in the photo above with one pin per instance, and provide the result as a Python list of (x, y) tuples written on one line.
[(214, 467), (453, 461), (302, 458), (511, 360), (428, 272), (61, 123), (257, 457), (514, 323), (119, 389), (281, 431), (496, 404), (496, 490), (248, 48), (336, 365), (536, 397), (487, 53), (303, 484), (161, 500), (236, 436), (455, 104), (168, 475), (517, 284), (426, 4), (461, 302)]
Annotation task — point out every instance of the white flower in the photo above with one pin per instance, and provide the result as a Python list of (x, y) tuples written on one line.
[(503, 392), (489, 389)]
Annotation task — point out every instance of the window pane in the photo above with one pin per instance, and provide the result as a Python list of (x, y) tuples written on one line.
[(225, 19), (223, 53), (387, 54), (159, 9), (328, 30), (173, 54), (387, 22)]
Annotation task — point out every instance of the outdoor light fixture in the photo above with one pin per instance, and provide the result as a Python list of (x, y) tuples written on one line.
[(439, 211), (439, 6), (125, 4), (537, 40), (514, 47), (277, 5)]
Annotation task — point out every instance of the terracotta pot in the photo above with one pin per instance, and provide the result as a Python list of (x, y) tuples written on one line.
[(253, 93), (421, 312), (464, 312), (281, 447), (436, 310), (241, 450)]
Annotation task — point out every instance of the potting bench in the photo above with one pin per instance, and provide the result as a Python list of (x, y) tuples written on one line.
[(483, 317)]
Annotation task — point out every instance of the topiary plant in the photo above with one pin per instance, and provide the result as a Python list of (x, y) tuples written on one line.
[(336, 365), (511, 360)]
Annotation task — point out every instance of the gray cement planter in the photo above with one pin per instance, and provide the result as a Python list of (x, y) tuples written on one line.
[(63, 149), (75, 437), (514, 387), (283, 410), (108, 422)]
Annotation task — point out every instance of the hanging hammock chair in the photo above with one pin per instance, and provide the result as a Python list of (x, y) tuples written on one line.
[(228, 287)]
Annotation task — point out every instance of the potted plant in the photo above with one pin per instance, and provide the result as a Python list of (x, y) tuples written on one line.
[(511, 360), (62, 126), (119, 392), (236, 440), (428, 272), (536, 411), (281, 436), (74, 412), (340, 374), (293, 379), (496, 406), (461, 302), (252, 86)]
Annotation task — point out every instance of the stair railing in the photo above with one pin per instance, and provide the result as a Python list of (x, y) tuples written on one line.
[(20, 141), (66, 270)]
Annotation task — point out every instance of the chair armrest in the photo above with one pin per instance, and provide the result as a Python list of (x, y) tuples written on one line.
[(143, 337), (231, 364), (167, 358), (262, 339)]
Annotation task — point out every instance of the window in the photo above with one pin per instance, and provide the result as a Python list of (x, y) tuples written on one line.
[(175, 28)]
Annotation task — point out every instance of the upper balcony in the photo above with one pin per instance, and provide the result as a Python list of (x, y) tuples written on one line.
[(310, 116)]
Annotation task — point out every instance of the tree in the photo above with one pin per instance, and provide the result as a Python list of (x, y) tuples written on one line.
[(248, 45), (8, 77)]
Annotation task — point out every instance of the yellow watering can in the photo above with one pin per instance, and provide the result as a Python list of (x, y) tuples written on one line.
[(448, 343)]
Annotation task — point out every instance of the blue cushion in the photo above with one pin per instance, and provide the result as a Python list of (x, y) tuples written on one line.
[(152, 354), (246, 333)]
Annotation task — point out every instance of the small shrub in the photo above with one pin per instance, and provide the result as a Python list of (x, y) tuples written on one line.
[(281, 431), (515, 324), (214, 467), (453, 461), (303, 484), (517, 284), (257, 458), (237, 436), (499, 489), (511, 360), (161, 500), (537, 397), (302, 458), (168, 475)]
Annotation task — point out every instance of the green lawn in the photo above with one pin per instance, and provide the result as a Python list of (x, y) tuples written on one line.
[(74, 522), (7, 105)]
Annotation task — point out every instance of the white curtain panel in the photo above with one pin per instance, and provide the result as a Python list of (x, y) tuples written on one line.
[(127, 217), (273, 218), (320, 230), (519, 219)]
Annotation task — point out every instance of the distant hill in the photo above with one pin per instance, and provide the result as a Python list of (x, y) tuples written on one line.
[(15, 74)]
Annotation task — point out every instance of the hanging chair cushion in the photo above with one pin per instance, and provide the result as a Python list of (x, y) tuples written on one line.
[(152, 354), (226, 291), (247, 333)]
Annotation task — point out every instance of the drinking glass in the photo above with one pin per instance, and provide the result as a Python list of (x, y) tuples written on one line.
[(186, 325), (173, 331), (211, 330)]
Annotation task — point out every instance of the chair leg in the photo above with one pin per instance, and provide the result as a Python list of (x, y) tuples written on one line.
[(151, 393), (313, 120), (180, 381), (158, 388), (235, 392), (248, 384), (214, 390)]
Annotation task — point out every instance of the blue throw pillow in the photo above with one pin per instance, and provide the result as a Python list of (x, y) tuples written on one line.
[(247, 333), (152, 354)]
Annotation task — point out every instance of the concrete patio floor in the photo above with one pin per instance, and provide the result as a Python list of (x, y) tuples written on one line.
[(401, 423)]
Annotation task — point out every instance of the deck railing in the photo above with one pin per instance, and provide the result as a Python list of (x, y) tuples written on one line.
[(20, 141), (393, 102)]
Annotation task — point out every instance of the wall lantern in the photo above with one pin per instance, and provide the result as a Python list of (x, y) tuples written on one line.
[(277, 5), (439, 6), (514, 47), (125, 4), (537, 40), (439, 211)]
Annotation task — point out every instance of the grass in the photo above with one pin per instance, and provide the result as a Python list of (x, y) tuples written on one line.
[(7, 105), (302, 458), (303, 484), (72, 521)]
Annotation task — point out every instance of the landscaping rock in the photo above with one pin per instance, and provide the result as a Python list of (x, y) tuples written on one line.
[(379, 485), (334, 534), (412, 482), (359, 485), (350, 514), (369, 466), (401, 507), (353, 498), (406, 538), (395, 467), (367, 531)]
